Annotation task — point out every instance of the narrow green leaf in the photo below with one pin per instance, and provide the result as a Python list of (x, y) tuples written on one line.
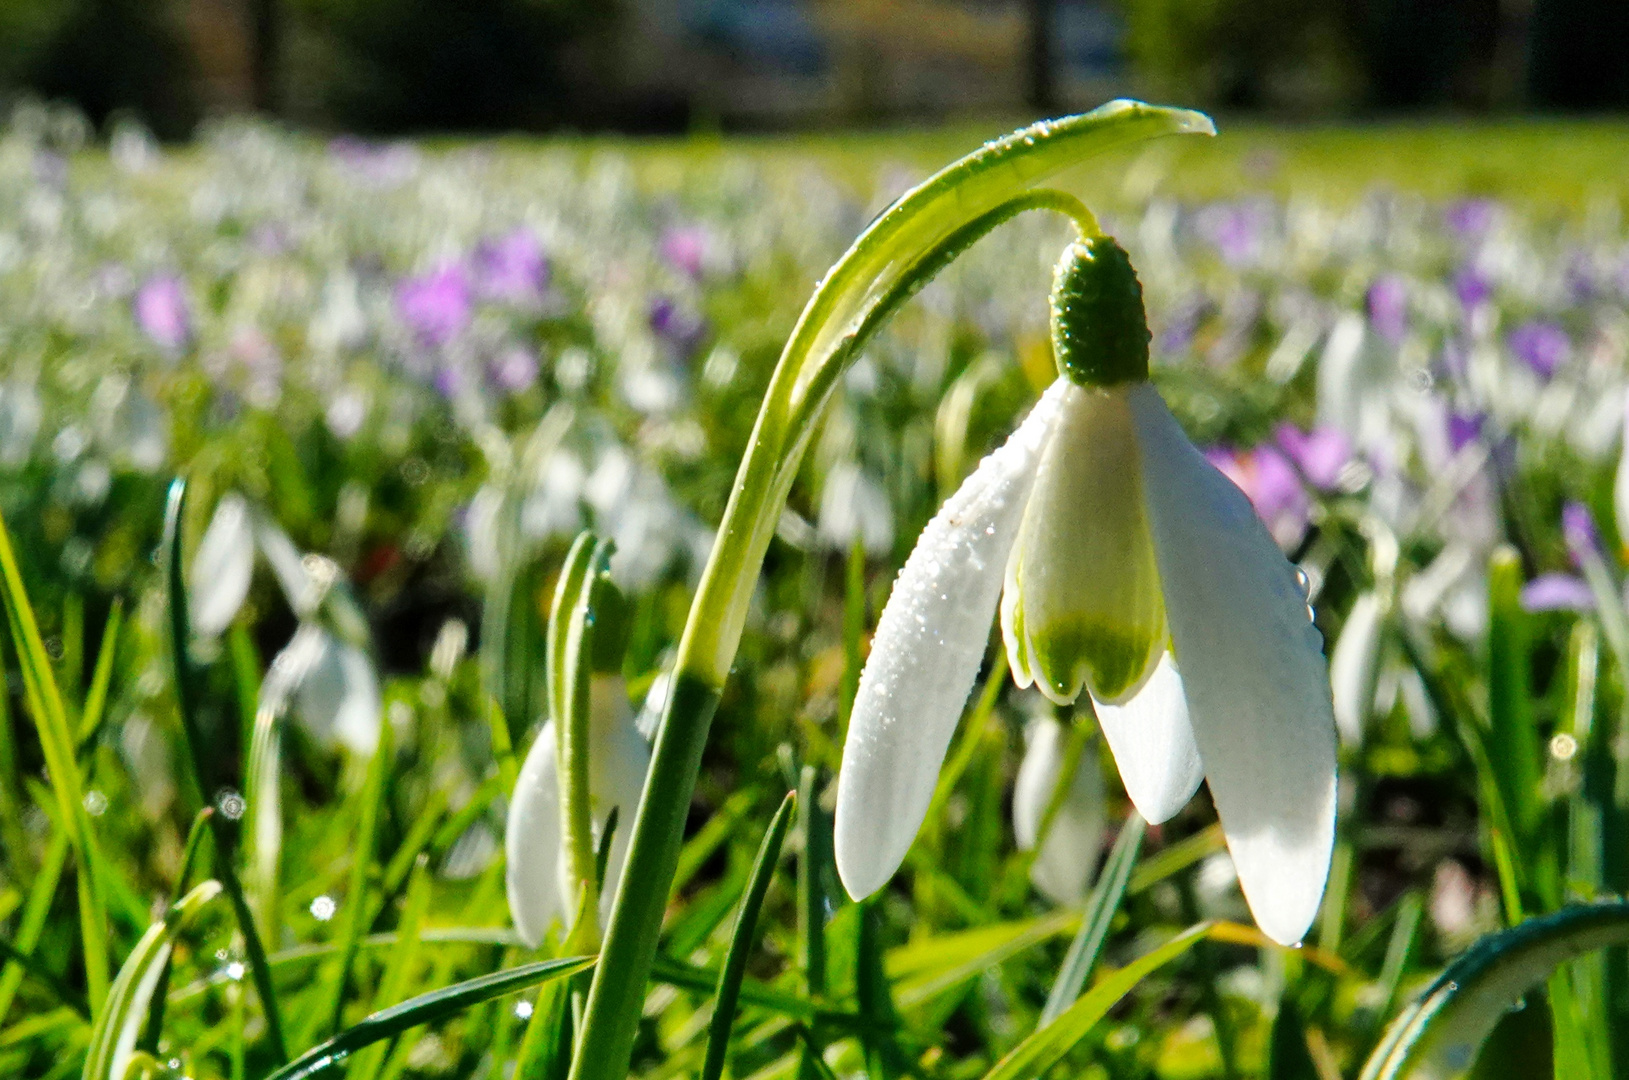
[(1176, 858), (1094, 927), (90, 720), (113, 1041), (814, 866), (1287, 1055), (1438, 1035), (399, 967), (1513, 738), (743, 938), (1047, 1046), (36, 909), (427, 1009), (160, 997)]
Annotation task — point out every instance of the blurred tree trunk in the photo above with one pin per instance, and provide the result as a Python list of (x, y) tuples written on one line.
[(1042, 90), (264, 47)]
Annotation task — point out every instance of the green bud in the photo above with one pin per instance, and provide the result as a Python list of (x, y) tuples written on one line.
[(1099, 330)]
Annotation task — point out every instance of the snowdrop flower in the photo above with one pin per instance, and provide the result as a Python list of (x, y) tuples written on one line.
[(1354, 666), (1062, 870), (332, 687), (1125, 565), (222, 567), (533, 841)]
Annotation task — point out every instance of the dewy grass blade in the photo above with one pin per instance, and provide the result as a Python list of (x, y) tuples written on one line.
[(113, 1041), (36, 909), (426, 1009), (394, 982), (356, 895), (1513, 739), (1046, 1047), (189, 855), (742, 939), (90, 719), (1438, 1035), (1094, 927), (57, 742), (187, 693)]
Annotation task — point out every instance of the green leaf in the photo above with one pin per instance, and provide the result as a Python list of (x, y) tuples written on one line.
[(426, 1009), (113, 1040), (1438, 1035), (1046, 1047), (1094, 927), (742, 939), (1287, 1055)]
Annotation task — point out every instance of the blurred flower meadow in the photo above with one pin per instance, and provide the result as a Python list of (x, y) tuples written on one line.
[(391, 372)]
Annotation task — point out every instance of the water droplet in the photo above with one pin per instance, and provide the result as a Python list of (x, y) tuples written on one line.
[(1304, 581)]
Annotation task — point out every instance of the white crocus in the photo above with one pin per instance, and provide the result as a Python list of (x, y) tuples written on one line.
[(1125, 564), (1354, 666), (618, 759), (1062, 870)]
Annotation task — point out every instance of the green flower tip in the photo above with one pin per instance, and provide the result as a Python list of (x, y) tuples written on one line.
[(1099, 330)]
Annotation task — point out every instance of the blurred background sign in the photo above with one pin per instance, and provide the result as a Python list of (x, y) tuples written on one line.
[(672, 65)]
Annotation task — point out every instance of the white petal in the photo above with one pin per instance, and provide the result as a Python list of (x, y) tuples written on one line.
[(1064, 868), (1253, 669), (531, 842), (287, 565), (1153, 745), (925, 656), (222, 567), (619, 758), (1354, 667), (338, 694), (1620, 486)]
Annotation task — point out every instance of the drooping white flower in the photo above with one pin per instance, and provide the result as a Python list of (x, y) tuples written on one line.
[(222, 567), (618, 759), (1354, 666), (853, 507), (1062, 869), (1125, 565)]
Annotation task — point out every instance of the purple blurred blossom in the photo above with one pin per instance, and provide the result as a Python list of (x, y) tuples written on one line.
[(449, 381), (515, 369), (1182, 323), (1542, 346), (685, 248), (1236, 230), (1578, 529), (160, 308), (676, 325), (1388, 307), (436, 306), (383, 164), (1557, 592), (1320, 454), (1579, 277), (1274, 488), (1471, 218), (1464, 429), (1472, 287), (511, 268)]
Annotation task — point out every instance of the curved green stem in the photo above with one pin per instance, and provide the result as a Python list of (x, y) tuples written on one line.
[(898, 253)]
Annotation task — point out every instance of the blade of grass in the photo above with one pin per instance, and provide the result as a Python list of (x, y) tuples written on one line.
[(1094, 927), (161, 991), (394, 982), (19, 858), (50, 715), (426, 1009), (95, 711), (742, 939), (36, 909), (1046, 1047), (188, 691)]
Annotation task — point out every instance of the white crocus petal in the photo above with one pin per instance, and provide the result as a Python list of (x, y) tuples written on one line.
[(1064, 867), (1253, 670), (222, 567), (1081, 605), (531, 842), (925, 656), (337, 699), (1354, 666), (1620, 486), (1153, 745), (618, 759)]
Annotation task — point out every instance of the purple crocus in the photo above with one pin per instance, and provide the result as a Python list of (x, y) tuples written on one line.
[(515, 369), (1388, 307), (678, 326), (510, 268), (685, 248), (1464, 429), (1579, 531), (1472, 287), (1541, 345), (1320, 454), (436, 306), (160, 308), (1557, 592), (1274, 488), (1471, 218), (1237, 230)]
